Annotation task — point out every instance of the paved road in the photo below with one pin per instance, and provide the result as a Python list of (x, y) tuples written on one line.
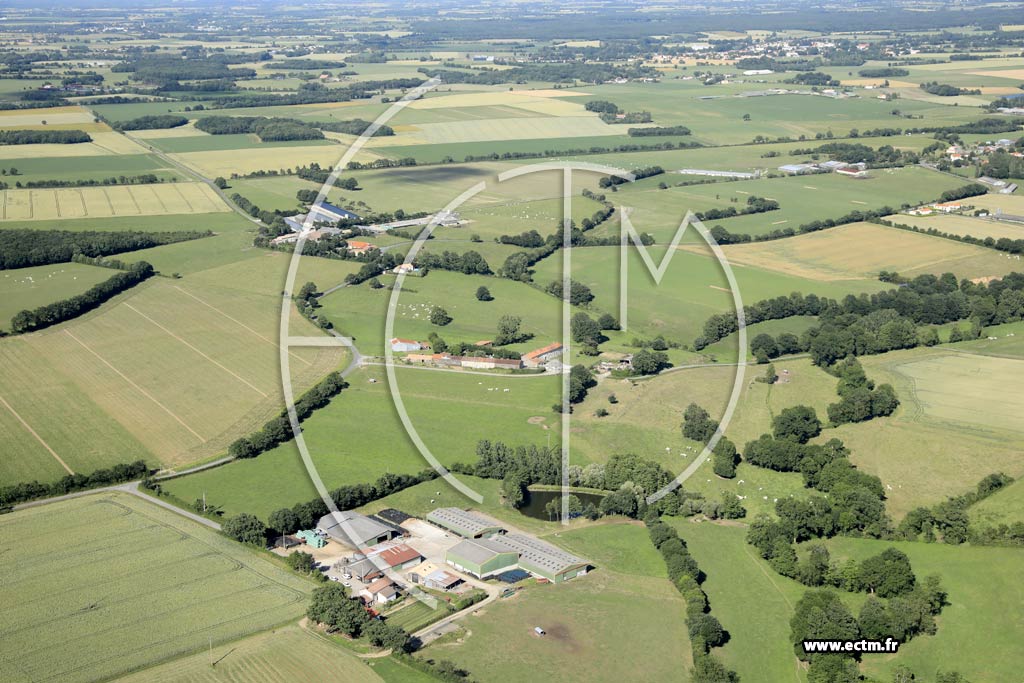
[(439, 628)]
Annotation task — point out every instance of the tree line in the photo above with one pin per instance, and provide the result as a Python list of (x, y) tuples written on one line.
[(21, 248), (151, 122), (40, 137), (72, 307), (142, 179), (25, 491)]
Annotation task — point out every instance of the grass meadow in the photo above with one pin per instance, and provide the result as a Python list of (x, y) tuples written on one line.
[(127, 585), (39, 285), (598, 626)]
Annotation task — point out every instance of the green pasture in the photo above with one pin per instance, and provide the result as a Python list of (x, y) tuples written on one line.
[(29, 288)]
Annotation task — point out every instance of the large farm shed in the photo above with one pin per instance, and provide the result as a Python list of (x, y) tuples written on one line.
[(543, 559), (356, 530), (465, 524), (481, 557)]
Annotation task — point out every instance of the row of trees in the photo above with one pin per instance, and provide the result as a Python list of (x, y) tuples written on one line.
[(142, 179), (72, 307), (705, 630), (21, 492), (152, 121), (279, 429), (21, 248), (754, 205), (657, 131), (468, 263), (1007, 244)]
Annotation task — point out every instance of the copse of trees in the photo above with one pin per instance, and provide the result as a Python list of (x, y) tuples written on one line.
[(639, 174), (944, 90), (41, 137), (579, 293), (152, 122), (949, 522), (468, 263), (21, 248), (754, 205), (268, 129), (25, 491), (657, 131), (860, 399), (72, 307), (883, 72)]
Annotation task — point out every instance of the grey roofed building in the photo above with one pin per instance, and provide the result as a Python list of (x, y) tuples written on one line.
[(355, 529), (542, 558), (463, 523)]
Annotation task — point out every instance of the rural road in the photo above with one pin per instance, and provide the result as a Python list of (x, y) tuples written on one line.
[(434, 631), (131, 487)]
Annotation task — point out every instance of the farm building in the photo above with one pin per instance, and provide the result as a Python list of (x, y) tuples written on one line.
[(380, 591), (360, 248), (441, 580), (465, 524), (356, 530), (487, 363), (798, 169), (329, 213), (543, 559), (363, 569), (481, 557), (400, 556), (311, 538), (542, 355), (400, 345)]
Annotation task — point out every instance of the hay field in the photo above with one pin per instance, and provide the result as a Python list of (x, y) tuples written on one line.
[(283, 655), (172, 372), (114, 200), (126, 585), (861, 250), (493, 129), (958, 421), (214, 163), (963, 225)]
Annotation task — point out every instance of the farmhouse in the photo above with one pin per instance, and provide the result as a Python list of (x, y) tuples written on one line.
[(465, 524), (540, 356), (400, 345), (481, 557), (948, 207), (360, 248), (356, 530), (380, 591)]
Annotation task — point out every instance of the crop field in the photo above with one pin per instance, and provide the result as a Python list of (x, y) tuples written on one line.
[(836, 254), (360, 312), (801, 199), (90, 167), (224, 162), (127, 585), (282, 655), (109, 374), (954, 426), (100, 202), (963, 225), (33, 287), (344, 438), (598, 626), (210, 143)]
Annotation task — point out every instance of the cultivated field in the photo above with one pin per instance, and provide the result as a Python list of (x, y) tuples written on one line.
[(842, 254), (278, 656), (101, 202), (127, 585), (172, 371)]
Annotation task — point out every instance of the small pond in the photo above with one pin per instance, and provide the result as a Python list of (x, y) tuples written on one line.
[(537, 506)]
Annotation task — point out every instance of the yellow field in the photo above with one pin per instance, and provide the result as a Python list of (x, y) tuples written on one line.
[(1012, 204), (16, 118), (1015, 74), (115, 200), (861, 250), (963, 225), (242, 161), (497, 129)]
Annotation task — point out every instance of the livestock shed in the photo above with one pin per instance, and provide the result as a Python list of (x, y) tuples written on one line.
[(543, 559), (481, 557), (464, 523), (357, 530)]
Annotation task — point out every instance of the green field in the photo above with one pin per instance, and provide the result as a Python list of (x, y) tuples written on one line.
[(278, 656), (171, 371), (103, 202), (128, 585), (950, 430), (360, 312), (33, 287), (346, 444), (598, 626)]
